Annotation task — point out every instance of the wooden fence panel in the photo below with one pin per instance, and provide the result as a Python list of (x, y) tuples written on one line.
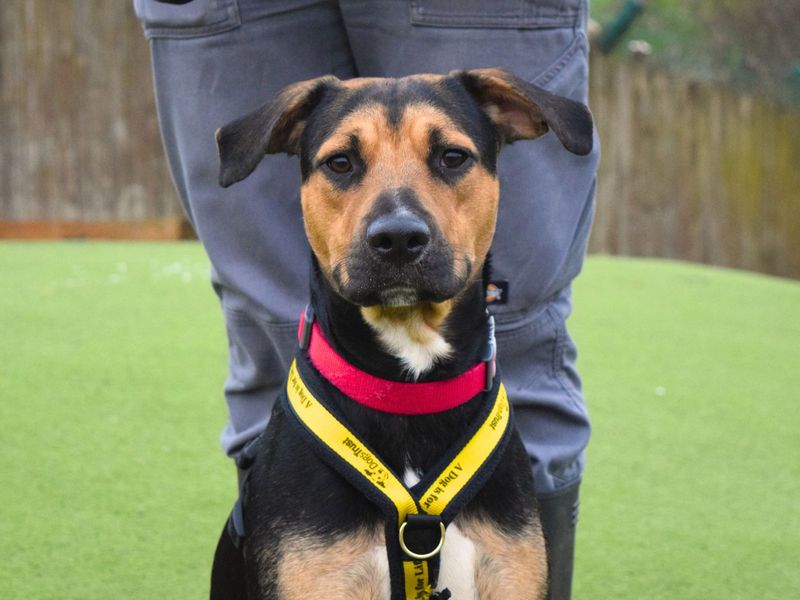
[(79, 138), (695, 172)]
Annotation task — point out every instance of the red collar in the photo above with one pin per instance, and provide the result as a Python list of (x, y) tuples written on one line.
[(396, 397)]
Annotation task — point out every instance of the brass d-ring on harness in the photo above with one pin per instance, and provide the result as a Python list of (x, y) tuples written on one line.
[(427, 555)]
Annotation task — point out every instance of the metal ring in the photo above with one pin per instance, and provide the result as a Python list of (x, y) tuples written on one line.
[(430, 554)]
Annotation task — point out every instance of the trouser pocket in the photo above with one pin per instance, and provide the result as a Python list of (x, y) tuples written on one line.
[(190, 19), (259, 354), (537, 361), (510, 14)]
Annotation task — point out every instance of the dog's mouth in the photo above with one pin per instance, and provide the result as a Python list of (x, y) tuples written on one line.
[(366, 282), (398, 297)]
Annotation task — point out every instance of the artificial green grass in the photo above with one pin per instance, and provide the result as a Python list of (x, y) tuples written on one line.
[(112, 358), (693, 483)]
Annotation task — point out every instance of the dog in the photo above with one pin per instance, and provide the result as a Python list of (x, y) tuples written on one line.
[(399, 198)]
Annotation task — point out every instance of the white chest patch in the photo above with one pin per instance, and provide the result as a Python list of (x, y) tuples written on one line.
[(410, 477), (457, 570), (412, 340)]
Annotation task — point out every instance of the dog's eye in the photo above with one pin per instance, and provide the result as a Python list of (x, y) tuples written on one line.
[(452, 159), (339, 164)]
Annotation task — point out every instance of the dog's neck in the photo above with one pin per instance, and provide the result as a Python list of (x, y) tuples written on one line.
[(463, 329)]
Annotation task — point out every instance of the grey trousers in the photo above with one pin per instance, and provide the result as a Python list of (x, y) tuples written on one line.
[(215, 60)]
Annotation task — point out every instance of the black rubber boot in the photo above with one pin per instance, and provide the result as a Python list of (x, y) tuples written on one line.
[(559, 516)]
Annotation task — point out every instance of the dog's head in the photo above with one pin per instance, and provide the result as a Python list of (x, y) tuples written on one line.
[(400, 186)]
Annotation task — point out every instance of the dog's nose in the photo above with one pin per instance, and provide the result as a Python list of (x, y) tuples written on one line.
[(398, 237)]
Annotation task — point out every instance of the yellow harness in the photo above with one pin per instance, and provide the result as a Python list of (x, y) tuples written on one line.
[(436, 499)]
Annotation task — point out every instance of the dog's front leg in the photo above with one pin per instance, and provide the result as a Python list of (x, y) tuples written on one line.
[(351, 566)]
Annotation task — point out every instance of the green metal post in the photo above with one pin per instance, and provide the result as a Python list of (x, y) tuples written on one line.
[(614, 31)]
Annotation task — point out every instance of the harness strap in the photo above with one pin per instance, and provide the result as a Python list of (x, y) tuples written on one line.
[(413, 515), (244, 461)]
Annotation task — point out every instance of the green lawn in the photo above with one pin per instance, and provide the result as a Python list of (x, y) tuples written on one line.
[(112, 358)]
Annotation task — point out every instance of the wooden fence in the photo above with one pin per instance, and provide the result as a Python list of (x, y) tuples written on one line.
[(79, 141), (694, 172), (689, 171)]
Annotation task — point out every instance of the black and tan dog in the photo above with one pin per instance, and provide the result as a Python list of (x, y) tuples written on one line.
[(399, 197)]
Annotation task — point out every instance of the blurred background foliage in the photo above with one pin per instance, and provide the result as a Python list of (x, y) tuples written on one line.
[(749, 44)]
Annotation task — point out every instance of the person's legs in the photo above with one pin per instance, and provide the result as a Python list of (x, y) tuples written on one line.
[(546, 208), (214, 61)]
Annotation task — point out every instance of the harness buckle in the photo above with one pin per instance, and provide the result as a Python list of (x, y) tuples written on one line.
[(305, 327), (423, 524), (490, 356)]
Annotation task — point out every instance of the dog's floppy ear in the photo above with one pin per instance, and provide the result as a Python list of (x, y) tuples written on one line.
[(272, 129), (522, 111)]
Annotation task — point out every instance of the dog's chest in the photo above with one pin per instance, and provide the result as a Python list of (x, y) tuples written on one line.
[(356, 567), (330, 543), (478, 562)]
